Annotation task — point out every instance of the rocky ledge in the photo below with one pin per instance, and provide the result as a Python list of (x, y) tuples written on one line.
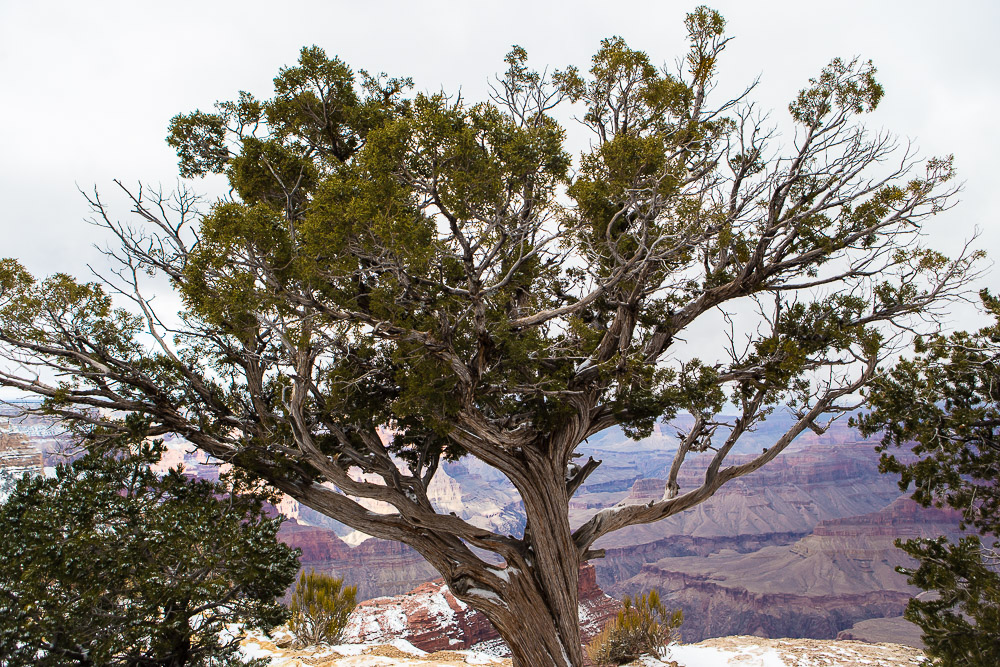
[(432, 619)]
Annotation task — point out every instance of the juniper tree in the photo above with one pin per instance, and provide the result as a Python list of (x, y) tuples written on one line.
[(109, 564), (399, 279)]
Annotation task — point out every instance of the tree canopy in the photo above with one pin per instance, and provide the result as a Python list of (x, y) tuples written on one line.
[(397, 279), (109, 564)]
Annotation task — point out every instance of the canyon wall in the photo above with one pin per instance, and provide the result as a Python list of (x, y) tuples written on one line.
[(842, 573)]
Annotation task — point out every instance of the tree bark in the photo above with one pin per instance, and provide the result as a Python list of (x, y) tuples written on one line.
[(540, 631), (535, 641), (543, 627)]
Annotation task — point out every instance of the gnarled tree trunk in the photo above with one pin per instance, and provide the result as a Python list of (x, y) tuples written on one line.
[(533, 602), (541, 623), (536, 637)]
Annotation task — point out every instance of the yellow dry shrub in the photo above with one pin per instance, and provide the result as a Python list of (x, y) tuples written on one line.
[(642, 627), (320, 607)]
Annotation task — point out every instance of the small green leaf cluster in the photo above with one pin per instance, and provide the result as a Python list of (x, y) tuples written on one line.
[(109, 564), (841, 87), (642, 627), (320, 607)]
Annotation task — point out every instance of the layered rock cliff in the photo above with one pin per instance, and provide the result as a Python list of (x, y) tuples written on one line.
[(791, 494), (376, 567), (18, 455), (841, 574)]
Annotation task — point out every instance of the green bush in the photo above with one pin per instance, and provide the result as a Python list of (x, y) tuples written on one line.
[(111, 564), (320, 607), (644, 627)]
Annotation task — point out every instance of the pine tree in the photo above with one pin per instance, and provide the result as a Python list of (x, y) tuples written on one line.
[(944, 405), (109, 564)]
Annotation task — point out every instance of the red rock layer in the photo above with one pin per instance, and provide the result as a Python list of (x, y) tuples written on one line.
[(432, 619), (375, 567)]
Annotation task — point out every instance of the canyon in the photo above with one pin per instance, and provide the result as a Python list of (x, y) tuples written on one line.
[(802, 547), (842, 574)]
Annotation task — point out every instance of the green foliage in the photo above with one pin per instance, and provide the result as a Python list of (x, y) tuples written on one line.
[(367, 223), (842, 87), (108, 564), (320, 607), (199, 139), (945, 404), (642, 627), (962, 625)]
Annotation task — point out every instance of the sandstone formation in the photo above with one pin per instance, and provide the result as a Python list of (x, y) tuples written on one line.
[(429, 617), (376, 567), (432, 619)]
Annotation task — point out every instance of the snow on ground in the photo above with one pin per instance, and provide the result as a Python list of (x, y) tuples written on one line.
[(399, 653), (759, 652), (721, 652)]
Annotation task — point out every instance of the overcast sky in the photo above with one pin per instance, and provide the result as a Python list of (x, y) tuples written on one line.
[(87, 88)]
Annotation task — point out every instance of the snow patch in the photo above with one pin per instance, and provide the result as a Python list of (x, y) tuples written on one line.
[(407, 647), (722, 652), (395, 619), (705, 656), (504, 573), (488, 595), (437, 606)]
